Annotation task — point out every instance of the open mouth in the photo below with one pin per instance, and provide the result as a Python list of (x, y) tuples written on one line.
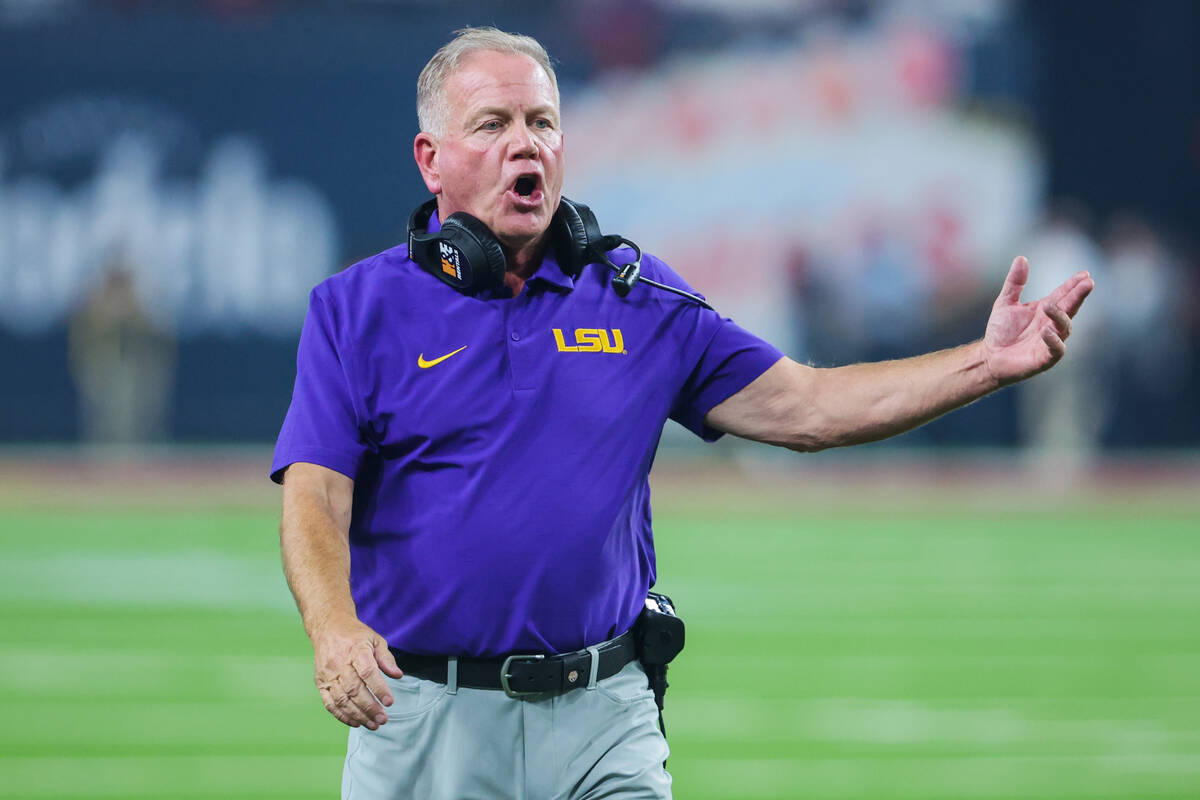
[(526, 185)]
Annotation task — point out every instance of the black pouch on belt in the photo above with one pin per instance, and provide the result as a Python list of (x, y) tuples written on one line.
[(659, 636)]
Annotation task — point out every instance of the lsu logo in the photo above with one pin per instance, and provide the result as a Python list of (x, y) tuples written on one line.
[(451, 260), (591, 340)]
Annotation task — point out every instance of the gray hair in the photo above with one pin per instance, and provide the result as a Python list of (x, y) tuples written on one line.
[(431, 97)]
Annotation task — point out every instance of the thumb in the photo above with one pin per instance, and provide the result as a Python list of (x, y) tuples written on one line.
[(1014, 283), (385, 659)]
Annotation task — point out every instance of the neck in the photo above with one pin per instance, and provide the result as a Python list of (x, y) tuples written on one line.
[(523, 261)]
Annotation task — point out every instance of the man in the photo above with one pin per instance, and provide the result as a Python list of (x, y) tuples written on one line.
[(465, 501)]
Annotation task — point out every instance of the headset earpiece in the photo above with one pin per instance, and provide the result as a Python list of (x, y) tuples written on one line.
[(464, 253), (580, 241), (477, 236)]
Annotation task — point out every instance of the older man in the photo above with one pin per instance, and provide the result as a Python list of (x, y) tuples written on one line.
[(466, 523)]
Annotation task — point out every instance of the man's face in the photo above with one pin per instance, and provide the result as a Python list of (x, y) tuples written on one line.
[(500, 157)]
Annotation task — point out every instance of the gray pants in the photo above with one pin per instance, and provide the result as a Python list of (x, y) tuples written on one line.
[(442, 742)]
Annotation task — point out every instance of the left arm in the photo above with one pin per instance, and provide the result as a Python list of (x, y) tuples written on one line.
[(805, 408)]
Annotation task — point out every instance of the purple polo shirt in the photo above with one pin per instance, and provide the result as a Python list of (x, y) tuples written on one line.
[(501, 447)]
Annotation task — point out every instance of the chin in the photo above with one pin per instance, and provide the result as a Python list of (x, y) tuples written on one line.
[(531, 226)]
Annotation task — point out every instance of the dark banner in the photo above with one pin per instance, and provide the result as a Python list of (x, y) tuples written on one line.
[(175, 177)]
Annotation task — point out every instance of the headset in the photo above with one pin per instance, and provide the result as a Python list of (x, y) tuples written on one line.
[(466, 255)]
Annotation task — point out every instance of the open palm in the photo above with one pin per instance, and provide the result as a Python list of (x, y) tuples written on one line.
[(1023, 339)]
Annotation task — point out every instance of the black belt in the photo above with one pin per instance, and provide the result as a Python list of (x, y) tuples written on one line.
[(522, 674)]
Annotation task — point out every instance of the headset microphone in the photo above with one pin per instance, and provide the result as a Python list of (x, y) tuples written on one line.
[(627, 275), (631, 273)]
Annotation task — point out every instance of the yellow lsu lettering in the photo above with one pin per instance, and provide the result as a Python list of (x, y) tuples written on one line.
[(591, 340)]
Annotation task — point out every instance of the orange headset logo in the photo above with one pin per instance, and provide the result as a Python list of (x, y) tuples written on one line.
[(591, 340), (451, 260)]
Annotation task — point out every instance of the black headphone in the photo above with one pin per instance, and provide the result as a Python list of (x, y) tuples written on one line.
[(466, 254)]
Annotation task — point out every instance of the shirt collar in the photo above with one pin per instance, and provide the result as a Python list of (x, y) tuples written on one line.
[(549, 271)]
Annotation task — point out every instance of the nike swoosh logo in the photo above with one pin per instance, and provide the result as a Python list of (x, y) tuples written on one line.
[(423, 364)]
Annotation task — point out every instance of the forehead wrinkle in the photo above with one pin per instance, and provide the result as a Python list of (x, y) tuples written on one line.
[(489, 95), (471, 86)]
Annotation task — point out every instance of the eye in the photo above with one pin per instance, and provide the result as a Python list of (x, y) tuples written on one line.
[(542, 124), (490, 125)]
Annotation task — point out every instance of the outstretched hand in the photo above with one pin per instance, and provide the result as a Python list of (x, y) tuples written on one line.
[(1023, 339)]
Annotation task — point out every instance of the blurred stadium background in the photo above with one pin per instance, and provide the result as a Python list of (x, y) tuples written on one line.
[(1004, 604)]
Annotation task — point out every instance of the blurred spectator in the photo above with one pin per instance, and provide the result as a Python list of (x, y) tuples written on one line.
[(827, 312), (1062, 412), (801, 287), (123, 364), (1148, 330), (863, 298), (893, 294)]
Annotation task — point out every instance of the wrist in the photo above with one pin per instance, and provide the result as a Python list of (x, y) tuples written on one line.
[(318, 625), (979, 367)]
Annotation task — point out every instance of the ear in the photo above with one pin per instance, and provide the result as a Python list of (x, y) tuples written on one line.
[(425, 152)]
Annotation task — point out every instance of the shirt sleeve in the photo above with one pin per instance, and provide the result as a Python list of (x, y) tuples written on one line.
[(724, 357), (733, 358), (321, 426)]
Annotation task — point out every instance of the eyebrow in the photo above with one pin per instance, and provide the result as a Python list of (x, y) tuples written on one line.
[(497, 111)]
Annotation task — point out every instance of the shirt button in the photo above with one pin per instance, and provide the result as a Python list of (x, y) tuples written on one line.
[(516, 337)]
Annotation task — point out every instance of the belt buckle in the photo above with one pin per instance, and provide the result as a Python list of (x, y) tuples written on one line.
[(505, 675)]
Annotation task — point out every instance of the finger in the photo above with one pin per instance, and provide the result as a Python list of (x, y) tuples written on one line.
[(336, 708), (1062, 322), (362, 703), (1074, 298), (1054, 344), (364, 665), (387, 661), (1066, 286), (340, 700), (1014, 284)]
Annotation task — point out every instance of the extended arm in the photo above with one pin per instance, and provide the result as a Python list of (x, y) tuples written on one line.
[(314, 539), (805, 408)]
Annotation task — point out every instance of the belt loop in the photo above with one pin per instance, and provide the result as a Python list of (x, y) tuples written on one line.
[(595, 651), (452, 675)]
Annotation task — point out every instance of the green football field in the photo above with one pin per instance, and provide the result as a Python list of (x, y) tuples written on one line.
[(980, 642)]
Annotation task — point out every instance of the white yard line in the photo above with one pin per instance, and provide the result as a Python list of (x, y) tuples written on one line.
[(197, 579), (101, 674), (170, 776), (1100, 776), (883, 722)]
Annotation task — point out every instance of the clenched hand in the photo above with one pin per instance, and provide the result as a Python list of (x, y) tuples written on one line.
[(350, 661)]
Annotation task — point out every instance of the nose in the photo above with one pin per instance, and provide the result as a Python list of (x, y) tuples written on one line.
[(524, 144)]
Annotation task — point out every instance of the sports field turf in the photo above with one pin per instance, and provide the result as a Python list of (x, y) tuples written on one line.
[(860, 643)]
